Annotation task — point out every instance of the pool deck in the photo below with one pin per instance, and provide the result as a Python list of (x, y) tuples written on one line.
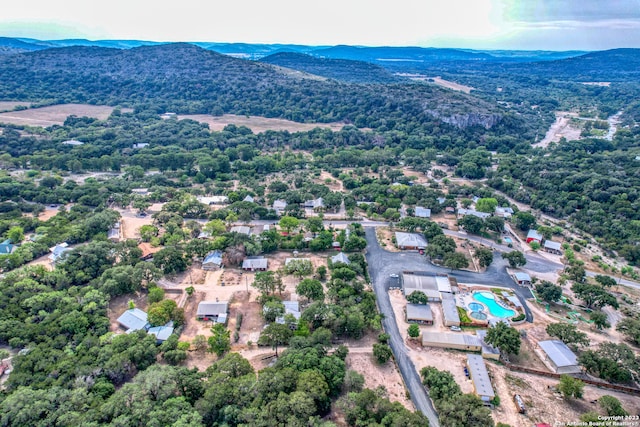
[(463, 299)]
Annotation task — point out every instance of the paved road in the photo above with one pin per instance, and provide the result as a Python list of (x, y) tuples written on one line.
[(379, 258)]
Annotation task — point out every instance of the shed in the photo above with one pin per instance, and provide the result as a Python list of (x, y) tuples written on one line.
[(480, 377), (212, 310), (419, 313), (450, 312), (134, 320), (241, 229), (534, 236), (559, 357), (522, 278), (341, 257), (410, 240), (552, 247), (254, 264), (422, 212), (212, 261), (451, 340)]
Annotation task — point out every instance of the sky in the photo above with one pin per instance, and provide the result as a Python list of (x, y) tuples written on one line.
[(477, 24)]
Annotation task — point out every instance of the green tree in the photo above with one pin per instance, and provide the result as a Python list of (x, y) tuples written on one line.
[(594, 296), (353, 381), (600, 320), (487, 204), (548, 292), (606, 281), (414, 331), (439, 246), (299, 267), (504, 337), (215, 227), (630, 328), (311, 289), (273, 309), (417, 297), (288, 223), (570, 387), (274, 335), (568, 334), (148, 232), (15, 234), (464, 410), (163, 311), (612, 406), (515, 258), (472, 224), (267, 282), (495, 223), (485, 256), (220, 341), (455, 261), (611, 362), (382, 353), (170, 260), (156, 294), (524, 220)]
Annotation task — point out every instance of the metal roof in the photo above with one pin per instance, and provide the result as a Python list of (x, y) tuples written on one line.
[(559, 353), (533, 234), (419, 312), (134, 320), (422, 212), (549, 244), (341, 257), (514, 300), (162, 333), (473, 212), (411, 239), (254, 263), (486, 348), (212, 308), (522, 277), (213, 257), (451, 338), (450, 311), (242, 229), (480, 376)]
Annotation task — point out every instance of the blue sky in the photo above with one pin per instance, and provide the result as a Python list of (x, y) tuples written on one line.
[(481, 24)]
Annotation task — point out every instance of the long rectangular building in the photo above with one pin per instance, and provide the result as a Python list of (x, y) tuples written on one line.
[(480, 377), (452, 340)]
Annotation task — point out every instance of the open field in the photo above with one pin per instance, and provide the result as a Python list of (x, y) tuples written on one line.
[(10, 105), (56, 114), (439, 81), (257, 124), (561, 128)]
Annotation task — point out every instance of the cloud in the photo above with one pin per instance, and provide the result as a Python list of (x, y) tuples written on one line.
[(608, 24)]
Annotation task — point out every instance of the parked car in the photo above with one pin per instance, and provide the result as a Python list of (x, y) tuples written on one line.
[(456, 328)]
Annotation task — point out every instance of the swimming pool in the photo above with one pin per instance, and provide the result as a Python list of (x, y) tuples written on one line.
[(488, 299), (475, 306), (479, 315)]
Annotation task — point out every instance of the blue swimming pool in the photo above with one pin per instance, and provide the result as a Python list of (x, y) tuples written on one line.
[(488, 299), (475, 306)]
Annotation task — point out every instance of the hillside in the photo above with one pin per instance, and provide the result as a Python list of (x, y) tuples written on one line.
[(187, 79), (339, 69)]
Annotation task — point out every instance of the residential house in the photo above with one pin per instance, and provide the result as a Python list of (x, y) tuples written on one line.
[(248, 198), (341, 257), (6, 247), (58, 252), (114, 232), (140, 191), (534, 236), (140, 145), (215, 311), (204, 235), (134, 320), (147, 250), (255, 264), (316, 204), (411, 241), (72, 142), (450, 311), (505, 212), (162, 333), (455, 341), (464, 212), (213, 200), (279, 206), (422, 212), (292, 308), (212, 261), (552, 247), (241, 229)]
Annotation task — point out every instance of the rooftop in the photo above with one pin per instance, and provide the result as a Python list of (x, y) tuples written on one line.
[(450, 310), (522, 277), (212, 308), (559, 353), (410, 240), (479, 376), (548, 244), (419, 312), (241, 229), (533, 234), (341, 257), (133, 320), (214, 257), (254, 263), (473, 212), (422, 212), (453, 338)]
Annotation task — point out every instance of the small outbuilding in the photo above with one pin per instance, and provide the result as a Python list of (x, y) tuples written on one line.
[(213, 311), (559, 357), (241, 229), (419, 313), (6, 247), (534, 236), (341, 257), (133, 320), (422, 212), (552, 247), (521, 278)]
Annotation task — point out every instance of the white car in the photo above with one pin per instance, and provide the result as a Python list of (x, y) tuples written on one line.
[(456, 328)]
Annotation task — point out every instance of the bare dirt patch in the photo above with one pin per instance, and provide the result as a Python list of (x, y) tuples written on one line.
[(120, 304), (385, 235), (257, 124), (56, 114), (439, 81), (561, 128), (10, 105)]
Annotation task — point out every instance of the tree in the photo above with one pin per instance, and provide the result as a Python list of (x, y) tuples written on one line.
[(487, 204), (353, 381), (594, 296), (200, 343), (485, 256), (439, 246), (299, 267), (504, 337), (630, 328), (170, 260), (15, 234), (148, 232), (606, 281), (220, 341), (600, 320), (548, 292), (414, 331), (570, 387), (495, 223), (455, 261), (321, 272), (515, 258), (163, 311), (576, 273), (382, 353), (611, 362), (288, 223), (273, 309), (311, 289), (464, 410), (568, 334), (417, 297), (156, 294), (524, 220), (472, 224), (274, 335), (215, 227), (267, 282), (612, 406)]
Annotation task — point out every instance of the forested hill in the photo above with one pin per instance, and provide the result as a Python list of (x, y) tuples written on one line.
[(339, 69), (187, 79)]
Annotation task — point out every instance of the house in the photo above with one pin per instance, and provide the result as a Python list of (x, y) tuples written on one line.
[(213, 200), (316, 205), (114, 232), (534, 236), (480, 377), (58, 251), (488, 351), (140, 191), (204, 235), (72, 142), (464, 212), (213, 310), (341, 257), (147, 250), (241, 229), (419, 313), (505, 212), (522, 279), (552, 247), (451, 340), (7, 247), (162, 333), (292, 308), (140, 145), (557, 356), (248, 198), (410, 241), (212, 261), (450, 311), (279, 206), (254, 264), (133, 320), (422, 212)]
